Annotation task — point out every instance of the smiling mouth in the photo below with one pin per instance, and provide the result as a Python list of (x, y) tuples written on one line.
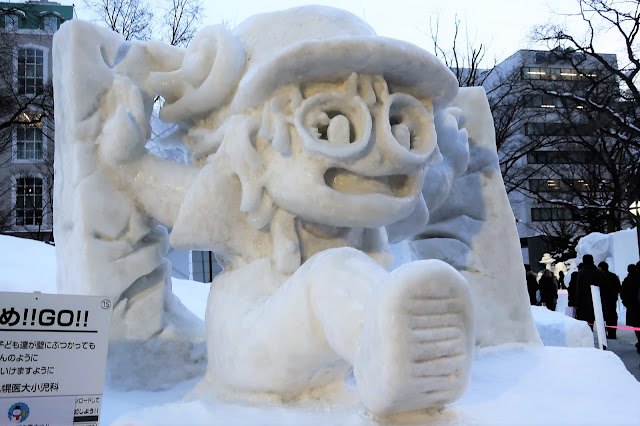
[(347, 182)]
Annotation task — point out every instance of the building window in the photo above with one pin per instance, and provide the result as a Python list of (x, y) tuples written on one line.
[(10, 22), (556, 214), (558, 129), (563, 74), (549, 101), (204, 266), (50, 23), (564, 157), (559, 55), (561, 185), (548, 185), (29, 138), (29, 200), (543, 101), (30, 71)]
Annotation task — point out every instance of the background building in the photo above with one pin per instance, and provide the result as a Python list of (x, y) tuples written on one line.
[(561, 163), (26, 116)]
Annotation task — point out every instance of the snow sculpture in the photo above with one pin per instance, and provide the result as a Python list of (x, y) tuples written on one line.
[(548, 261), (471, 225), (612, 248), (596, 244), (310, 139)]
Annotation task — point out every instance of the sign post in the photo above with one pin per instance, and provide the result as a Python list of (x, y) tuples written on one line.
[(53, 354), (599, 317)]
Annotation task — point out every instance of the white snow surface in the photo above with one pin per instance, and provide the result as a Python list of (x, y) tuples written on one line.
[(557, 329), (510, 384)]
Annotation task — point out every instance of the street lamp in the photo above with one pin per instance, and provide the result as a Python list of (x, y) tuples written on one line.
[(634, 209)]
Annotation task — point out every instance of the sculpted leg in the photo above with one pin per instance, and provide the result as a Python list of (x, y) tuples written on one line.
[(408, 333), (302, 334), (416, 347)]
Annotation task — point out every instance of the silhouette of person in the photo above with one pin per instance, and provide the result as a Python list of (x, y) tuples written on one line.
[(548, 290), (630, 293), (561, 280), (573, 285), (588, 276), (610, 293), (532, 284)]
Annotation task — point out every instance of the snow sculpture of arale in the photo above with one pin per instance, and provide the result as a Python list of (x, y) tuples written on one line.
[(310, 138)]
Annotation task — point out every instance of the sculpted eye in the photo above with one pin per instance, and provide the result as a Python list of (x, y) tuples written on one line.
[(335, 128), (410, 123), (401, 132), (334, 124)]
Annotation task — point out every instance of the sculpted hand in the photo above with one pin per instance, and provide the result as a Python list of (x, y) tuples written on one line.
[(127, 129)]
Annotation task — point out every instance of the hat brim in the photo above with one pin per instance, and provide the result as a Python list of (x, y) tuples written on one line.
[(405, 67)]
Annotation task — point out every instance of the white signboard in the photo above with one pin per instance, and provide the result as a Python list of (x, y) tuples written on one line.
[(599, 317), (53, 354)]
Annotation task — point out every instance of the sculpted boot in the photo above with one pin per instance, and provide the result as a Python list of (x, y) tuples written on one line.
[(417, 342)]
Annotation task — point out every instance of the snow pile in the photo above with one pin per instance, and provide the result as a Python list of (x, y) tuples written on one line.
[(26, 265), (511, 384), (557, 329)]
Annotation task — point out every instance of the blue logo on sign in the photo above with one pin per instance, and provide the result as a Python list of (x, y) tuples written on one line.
[(18, 412)]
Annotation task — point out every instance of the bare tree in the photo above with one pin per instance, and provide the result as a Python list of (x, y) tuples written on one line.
[(604, 100), (131, 18), (560, 238), (504, 92), (464, 58), (622, 19), (176, 20), (180, 20), (591, 187)]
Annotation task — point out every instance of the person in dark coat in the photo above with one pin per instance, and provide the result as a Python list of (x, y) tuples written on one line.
[(610, 296), (630, 295), (561, 280), (532, 285), (588, 276), (548, 290), (573, 285)]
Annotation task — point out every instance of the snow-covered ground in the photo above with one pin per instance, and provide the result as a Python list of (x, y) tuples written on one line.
[(511, 384)]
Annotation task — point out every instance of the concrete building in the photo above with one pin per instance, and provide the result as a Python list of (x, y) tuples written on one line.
[(26, 116), (543, 142)]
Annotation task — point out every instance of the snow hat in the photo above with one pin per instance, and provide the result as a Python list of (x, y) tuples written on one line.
[(323, 43)]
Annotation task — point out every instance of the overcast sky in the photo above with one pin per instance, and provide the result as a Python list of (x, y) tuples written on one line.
[(503, 25)]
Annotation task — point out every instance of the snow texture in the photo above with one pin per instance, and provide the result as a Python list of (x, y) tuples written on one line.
[(310, 140), (557, 329)]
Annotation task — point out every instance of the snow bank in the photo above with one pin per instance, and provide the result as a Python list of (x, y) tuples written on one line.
[(18, 270), (557, 329), (511, 384)]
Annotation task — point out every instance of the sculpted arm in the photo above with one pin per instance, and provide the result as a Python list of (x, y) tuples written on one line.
[(158, 185), (192, 84)]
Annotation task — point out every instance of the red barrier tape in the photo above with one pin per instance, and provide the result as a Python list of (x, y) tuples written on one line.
[(624, 327)]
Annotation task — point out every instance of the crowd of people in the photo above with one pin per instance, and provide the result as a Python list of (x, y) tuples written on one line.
[(545, 292)]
